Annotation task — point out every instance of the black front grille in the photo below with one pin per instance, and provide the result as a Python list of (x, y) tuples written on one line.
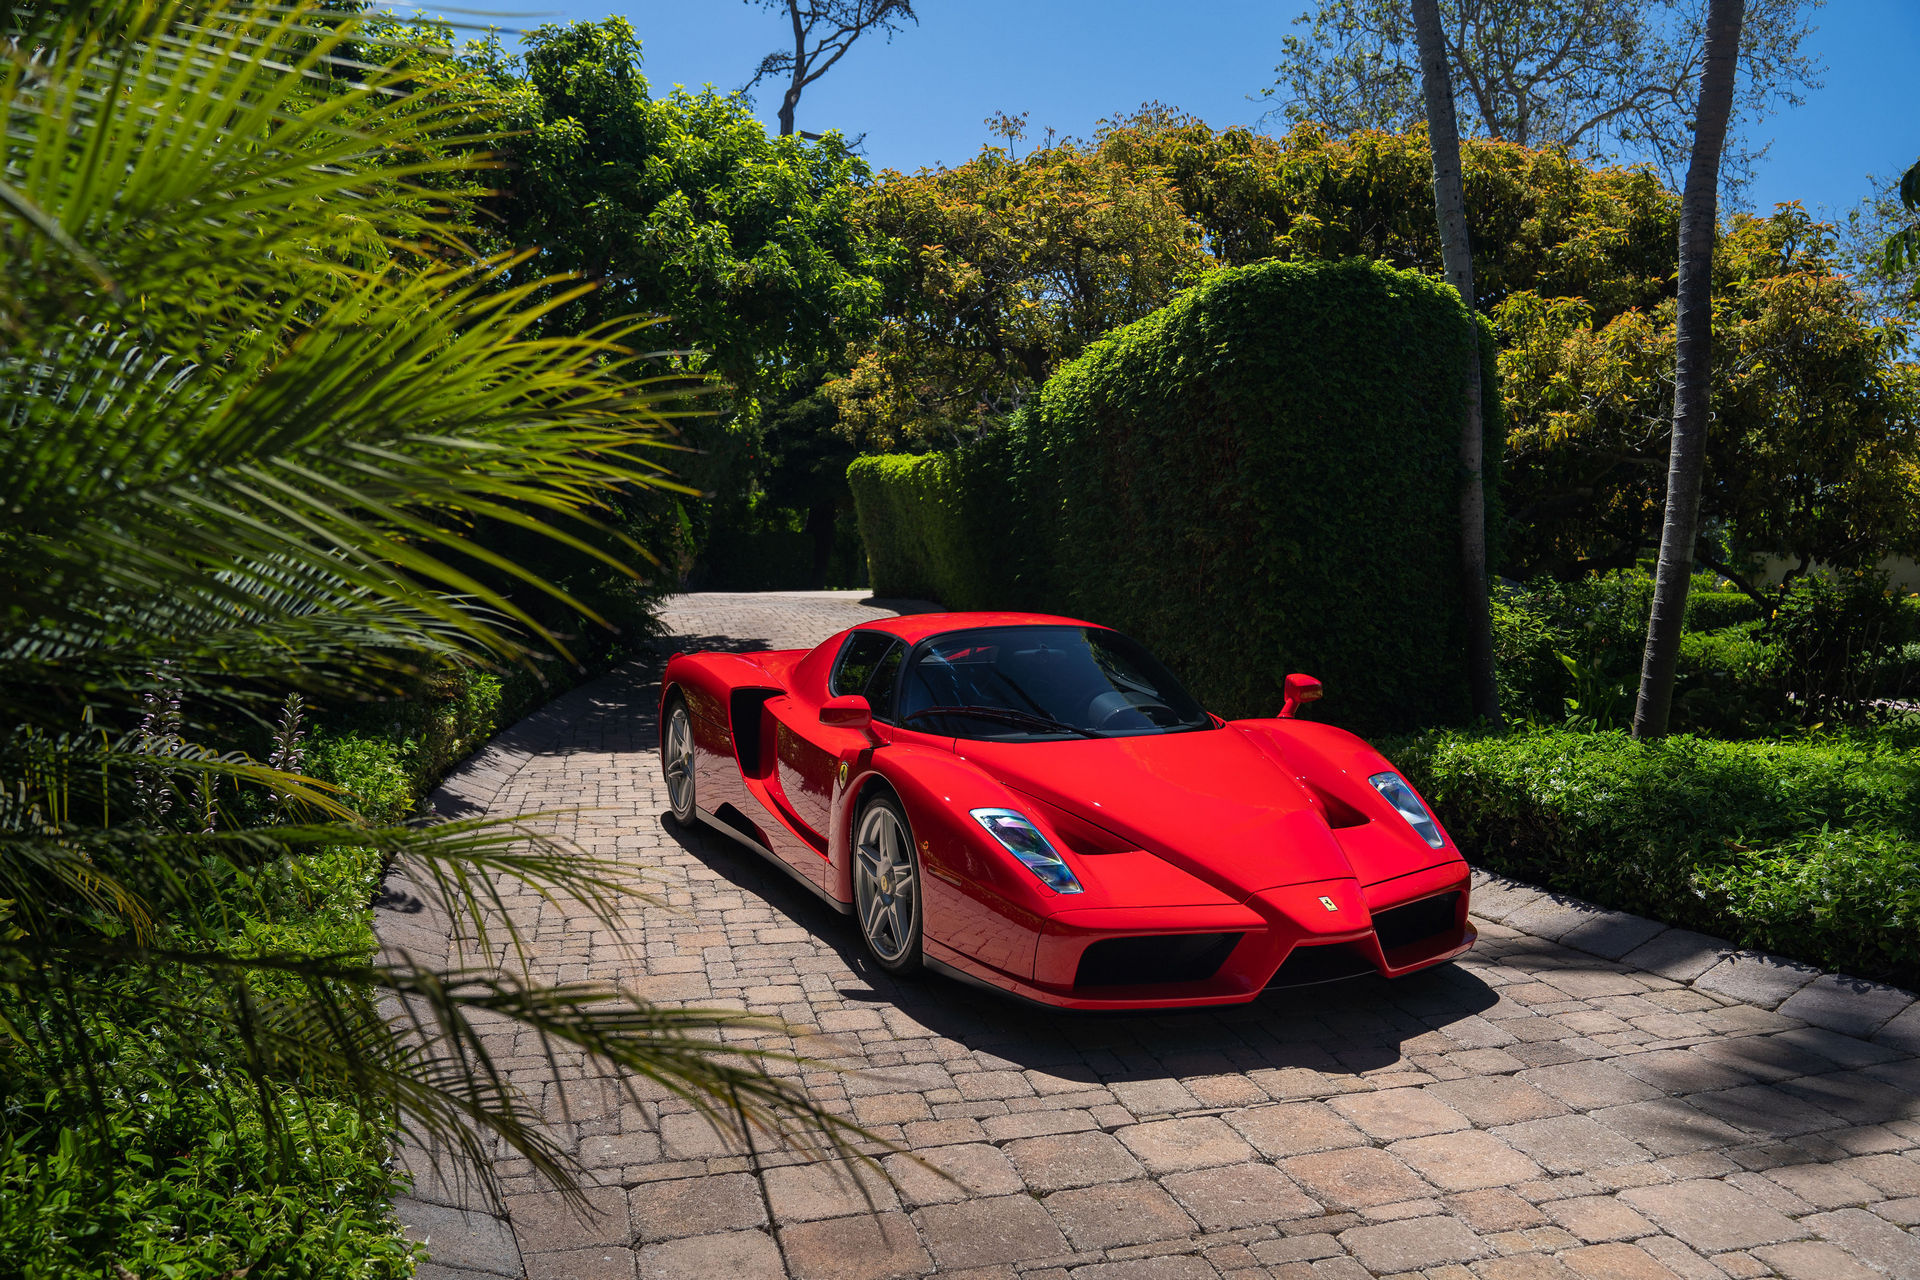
[(1417, 921), (1321, 962), (1170, 957)]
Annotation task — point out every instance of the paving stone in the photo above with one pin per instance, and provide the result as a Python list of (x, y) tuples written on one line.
[(1598, 1219), (460, 1237), (1525, 1266), (1612, 934), (604, 1263), (1168, 1146), (1118, 1213), (1669, 1126), (977, 1233), (1680, 954), (1399, 1113), (1059, 1161), (969, 1169), (1712, 1216), (1615, 1262), (1904, 1212), (1586, 1085), (880, 1246), (1489, 1100), (1355, 1178), (1871, 1239), (1756, 978), (1465, 1161), (1823, 1186), (1177, 1267), (1551, 916), (1295, 1128), (1682, 1071), (1902, 1032), (1239, 1196), (546, 1220), (800, 1193), (1846, 1005), (1496, 1209), (736, 1255), (1892, 1175), (1764, 1110), (1571, 1144), (1813, 1260), (1413, 1244), (681, 1207)]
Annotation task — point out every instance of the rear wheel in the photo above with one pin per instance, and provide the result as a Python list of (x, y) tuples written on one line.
[(676, 758), (886, 885)]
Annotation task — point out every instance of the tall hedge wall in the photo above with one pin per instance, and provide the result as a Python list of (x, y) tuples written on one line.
[(1259, 478), (954, 527)]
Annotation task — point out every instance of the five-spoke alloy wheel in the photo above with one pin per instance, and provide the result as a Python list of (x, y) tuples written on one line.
[(886, 885), (676, 758)]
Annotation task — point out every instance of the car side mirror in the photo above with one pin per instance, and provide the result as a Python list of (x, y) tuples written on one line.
[(1301, 689), (849, 711)]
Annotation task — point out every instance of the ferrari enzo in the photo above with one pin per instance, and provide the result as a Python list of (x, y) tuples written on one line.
[(1036, 805)]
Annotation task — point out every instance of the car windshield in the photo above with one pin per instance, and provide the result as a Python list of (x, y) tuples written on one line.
[(1020, 683)]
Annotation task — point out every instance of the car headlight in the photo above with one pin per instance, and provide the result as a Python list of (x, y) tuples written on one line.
[(1401, 797), (1023, 840)]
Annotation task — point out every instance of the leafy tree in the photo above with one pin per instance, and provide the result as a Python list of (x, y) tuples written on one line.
[(1007, 267), (823, 32), (1604, 78), (250, 412), (1538, 220), (679, 206), (1457, 257), (1813, 449)]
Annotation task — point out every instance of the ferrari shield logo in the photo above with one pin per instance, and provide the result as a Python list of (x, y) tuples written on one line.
[(843, 777), (1325, 901)]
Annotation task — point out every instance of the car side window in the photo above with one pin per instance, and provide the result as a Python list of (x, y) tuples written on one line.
[(883, 681), (858, 657)]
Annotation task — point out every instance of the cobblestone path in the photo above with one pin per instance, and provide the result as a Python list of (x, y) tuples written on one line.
[(1534, 1112)]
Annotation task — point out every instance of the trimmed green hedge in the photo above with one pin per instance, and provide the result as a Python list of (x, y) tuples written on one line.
[(955, 527), (1256, 479), (1806, 847)]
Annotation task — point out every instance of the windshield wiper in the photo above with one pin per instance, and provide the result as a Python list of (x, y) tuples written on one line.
[(1006, 714)]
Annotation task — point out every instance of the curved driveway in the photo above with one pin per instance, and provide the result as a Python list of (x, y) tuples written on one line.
[(1535, 1112)]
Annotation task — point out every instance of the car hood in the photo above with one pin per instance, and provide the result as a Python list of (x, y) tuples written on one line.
[(1222, 804)]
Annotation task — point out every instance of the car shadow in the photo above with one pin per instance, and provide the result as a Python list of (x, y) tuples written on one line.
[(1350, 1027)]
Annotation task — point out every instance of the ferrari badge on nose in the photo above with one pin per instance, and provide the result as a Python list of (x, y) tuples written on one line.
[(1329, 903)]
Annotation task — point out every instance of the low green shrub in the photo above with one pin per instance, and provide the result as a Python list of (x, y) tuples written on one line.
[(1712, 610), (1694, 831), (176, 1175)]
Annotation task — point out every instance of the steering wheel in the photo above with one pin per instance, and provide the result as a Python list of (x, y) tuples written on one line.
[(1144, 707)]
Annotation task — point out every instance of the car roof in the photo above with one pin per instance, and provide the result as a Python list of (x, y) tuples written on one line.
[(915, 627)]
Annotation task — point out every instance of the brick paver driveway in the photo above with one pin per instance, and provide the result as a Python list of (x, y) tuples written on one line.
[(1534, 1111)]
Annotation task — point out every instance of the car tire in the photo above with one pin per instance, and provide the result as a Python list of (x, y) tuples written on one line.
[(887, 884), (677, 759)]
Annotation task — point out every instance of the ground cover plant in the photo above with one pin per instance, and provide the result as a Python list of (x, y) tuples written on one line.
[(255, 392), (1808, 847)]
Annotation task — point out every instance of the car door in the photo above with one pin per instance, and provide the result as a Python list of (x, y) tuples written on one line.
[(808, 754)]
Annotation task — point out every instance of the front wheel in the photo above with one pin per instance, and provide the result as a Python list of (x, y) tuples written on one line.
[(676, 758), (886, 885)]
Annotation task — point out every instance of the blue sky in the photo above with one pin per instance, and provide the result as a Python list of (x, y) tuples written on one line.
[(921, 99)]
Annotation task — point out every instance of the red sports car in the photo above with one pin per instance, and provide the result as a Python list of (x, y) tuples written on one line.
[(1035, 804)]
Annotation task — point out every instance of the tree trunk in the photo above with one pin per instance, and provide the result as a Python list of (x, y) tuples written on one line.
[(1693, 364), (791, 98), (1456, 255)]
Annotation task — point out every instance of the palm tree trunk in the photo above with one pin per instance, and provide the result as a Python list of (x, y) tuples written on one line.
[(1693, 364), (1456, 256)]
